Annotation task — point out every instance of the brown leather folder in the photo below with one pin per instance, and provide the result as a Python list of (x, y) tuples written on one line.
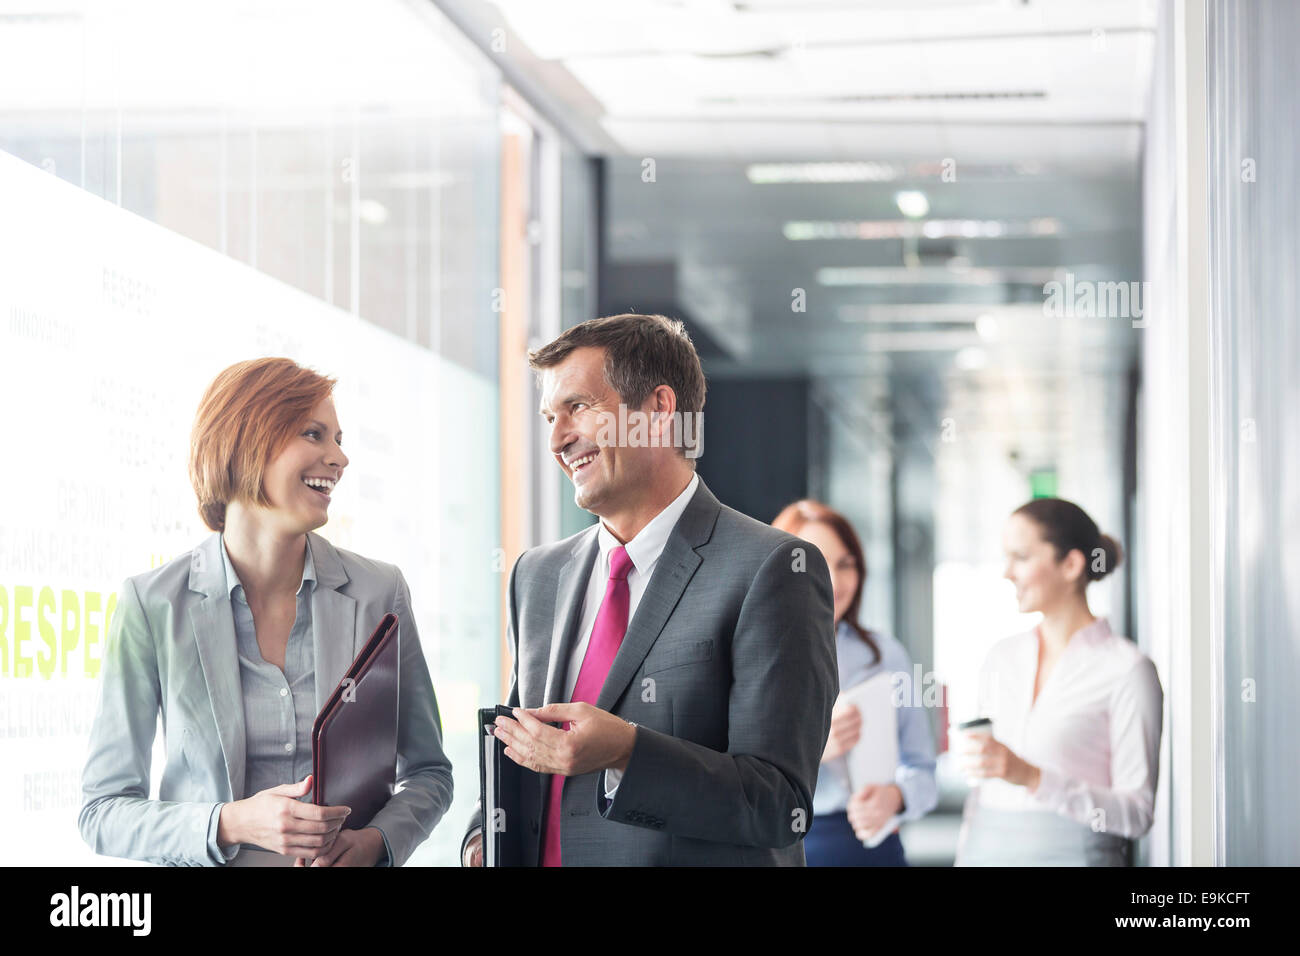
[(354, 738)]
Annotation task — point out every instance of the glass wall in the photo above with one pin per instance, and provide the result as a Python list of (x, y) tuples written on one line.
[(579, 213), (1254, 113), (184, 188)]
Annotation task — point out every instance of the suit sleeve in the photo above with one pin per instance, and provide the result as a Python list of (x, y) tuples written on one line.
[(784, 682), (512, 644), (423, 770), (117, 818)]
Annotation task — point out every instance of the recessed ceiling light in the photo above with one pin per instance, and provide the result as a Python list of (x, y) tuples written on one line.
[(987, 326), (912, 203), (971, 359), (902, 275), (372, 212), (766, 174), (800, 230)]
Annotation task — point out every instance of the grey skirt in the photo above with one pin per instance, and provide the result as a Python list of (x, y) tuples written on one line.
[(1036, 838)]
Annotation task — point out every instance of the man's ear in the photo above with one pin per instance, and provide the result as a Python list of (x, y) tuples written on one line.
[(663, 402), (665, 399)]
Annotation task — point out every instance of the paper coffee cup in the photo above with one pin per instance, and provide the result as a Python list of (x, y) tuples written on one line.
[(968, 729)]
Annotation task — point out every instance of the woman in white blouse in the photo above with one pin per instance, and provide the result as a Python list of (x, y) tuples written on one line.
[(1068, 775)]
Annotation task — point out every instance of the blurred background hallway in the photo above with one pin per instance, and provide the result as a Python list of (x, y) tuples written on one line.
[(938, 258)]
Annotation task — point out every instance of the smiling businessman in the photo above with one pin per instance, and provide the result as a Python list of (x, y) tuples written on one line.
[(686, 651)]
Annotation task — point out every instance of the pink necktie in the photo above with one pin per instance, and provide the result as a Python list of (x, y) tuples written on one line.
[(606, 636)]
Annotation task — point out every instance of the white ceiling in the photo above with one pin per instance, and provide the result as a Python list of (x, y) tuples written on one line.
[(293, 59), (979, 80)]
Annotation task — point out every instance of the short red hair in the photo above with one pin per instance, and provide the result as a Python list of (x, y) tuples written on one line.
[(248, 415)]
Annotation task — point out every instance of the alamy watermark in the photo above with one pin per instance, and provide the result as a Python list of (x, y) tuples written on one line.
[(633, 428), (75, 908), (1087, 299)]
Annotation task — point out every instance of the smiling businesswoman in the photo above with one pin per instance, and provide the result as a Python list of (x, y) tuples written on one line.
[(240, 642), (1067, 776)]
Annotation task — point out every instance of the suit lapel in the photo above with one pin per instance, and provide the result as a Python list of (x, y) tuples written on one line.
[(337, 635), (214, 636), (571, 590), (673, 572)]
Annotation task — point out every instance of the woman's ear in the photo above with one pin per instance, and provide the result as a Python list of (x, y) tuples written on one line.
[(1074, 566)]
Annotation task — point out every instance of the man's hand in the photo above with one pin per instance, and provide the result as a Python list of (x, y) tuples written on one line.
[(364, 847), (592, 739), (984, 756), (871, 807), (473, 855)]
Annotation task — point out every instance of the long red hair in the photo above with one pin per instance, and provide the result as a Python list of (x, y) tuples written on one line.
[(794, 516)]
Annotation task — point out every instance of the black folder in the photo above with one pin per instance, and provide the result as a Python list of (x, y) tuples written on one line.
[(501, 783), (354, 738)]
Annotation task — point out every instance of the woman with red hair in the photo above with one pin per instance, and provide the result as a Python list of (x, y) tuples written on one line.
[(843, 818), (239, 643)]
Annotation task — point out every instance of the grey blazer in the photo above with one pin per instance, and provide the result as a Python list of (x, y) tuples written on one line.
[(727, 668), (171, 647)]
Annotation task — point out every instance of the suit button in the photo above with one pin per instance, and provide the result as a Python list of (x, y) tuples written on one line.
[(533, 824)]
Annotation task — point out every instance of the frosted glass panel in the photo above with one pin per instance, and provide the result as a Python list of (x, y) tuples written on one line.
[(1254, 108)]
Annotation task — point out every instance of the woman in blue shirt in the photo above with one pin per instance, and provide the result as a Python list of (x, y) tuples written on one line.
[(842, 818)]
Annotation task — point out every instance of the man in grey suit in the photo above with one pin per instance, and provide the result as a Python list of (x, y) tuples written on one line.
[(685, 650)]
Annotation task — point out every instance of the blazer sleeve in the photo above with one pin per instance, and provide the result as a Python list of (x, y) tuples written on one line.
[(784, 682), (423, 770), (512, 643), (117, 818)]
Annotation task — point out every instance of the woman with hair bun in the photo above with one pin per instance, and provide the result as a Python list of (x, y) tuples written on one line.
[(1067, 775)]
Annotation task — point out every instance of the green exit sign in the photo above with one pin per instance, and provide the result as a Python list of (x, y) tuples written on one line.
[(1042, 483)]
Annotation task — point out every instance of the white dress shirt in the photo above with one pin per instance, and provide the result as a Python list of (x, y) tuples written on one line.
[(1094, 730), (644, 550)]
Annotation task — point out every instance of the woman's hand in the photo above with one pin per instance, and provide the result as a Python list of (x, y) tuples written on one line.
[(985, 756), (846, 727), (364, 847), (871, 807), (276, 820)]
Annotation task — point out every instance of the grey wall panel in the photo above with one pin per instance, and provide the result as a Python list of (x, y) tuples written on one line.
[(1254, 116)]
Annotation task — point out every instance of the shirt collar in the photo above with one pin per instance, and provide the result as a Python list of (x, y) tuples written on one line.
[(1098, 630), (1094, 633), (650, 541), (232, 579)]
